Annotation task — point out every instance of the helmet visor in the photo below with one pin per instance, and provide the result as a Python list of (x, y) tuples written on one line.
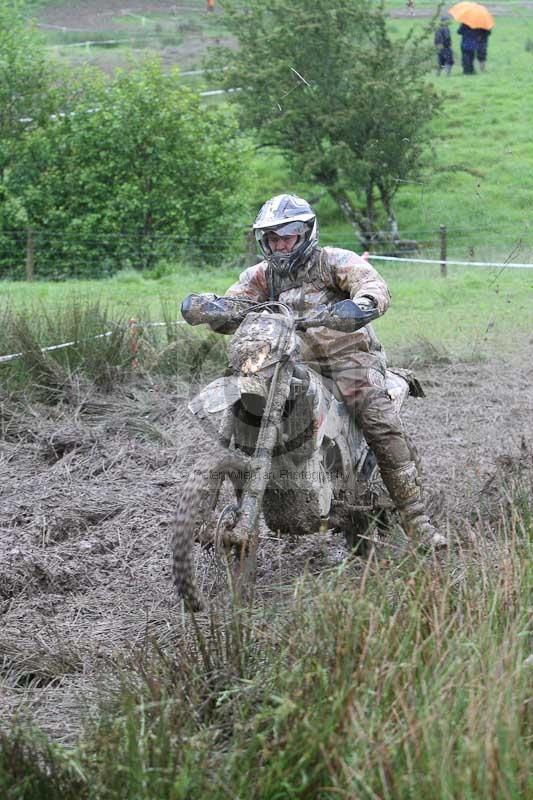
[(290, 228), (296, 228)]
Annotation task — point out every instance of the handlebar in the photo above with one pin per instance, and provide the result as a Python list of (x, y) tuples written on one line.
[(224, 314)]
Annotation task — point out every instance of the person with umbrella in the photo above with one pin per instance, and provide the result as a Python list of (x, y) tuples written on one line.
[(474, 18), (482, 44), (469, 45)]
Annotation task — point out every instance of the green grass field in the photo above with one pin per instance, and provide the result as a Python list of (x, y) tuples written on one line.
[(479, 179), (484, 127)]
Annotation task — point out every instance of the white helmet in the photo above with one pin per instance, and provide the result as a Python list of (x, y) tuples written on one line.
[(286, 215)]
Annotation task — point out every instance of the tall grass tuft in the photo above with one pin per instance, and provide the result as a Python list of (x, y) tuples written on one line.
[(104, 349), (98, 348), (411, 681), (33, 769), (194, 354)]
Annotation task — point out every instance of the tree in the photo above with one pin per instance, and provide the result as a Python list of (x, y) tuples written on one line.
[(132, 171), (27, 90), (348, 104), (25, 81)]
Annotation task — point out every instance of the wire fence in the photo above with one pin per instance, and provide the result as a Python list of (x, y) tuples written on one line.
[(63, 253), (104, 253), (133, 326)]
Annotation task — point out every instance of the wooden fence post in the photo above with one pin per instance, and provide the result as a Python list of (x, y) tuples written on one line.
[(250, 248), (443, 266), (30, 255)]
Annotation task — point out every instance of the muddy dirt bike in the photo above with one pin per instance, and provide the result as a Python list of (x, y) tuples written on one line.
[(287, 446)]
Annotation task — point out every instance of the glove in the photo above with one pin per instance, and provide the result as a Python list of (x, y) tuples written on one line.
[(346, 316), (222, 314), (197, 309), (351, 309), (349, 315)]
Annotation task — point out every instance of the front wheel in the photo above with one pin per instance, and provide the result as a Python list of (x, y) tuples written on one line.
[(207, 504)]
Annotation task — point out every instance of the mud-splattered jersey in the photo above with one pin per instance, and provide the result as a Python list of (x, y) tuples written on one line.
[(331, 274)]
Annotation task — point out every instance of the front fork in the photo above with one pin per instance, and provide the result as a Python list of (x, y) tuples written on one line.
[(261, 462)]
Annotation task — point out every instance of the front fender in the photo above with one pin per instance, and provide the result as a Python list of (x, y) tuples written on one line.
[(224, 392)]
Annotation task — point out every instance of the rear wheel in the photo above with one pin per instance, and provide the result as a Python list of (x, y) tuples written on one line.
[(368, 527), (384, 520)]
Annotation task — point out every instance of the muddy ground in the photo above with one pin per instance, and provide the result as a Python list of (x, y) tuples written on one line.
[(88, 491), (103, 14), (120, 19)]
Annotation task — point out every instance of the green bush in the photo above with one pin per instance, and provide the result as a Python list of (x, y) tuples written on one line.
[(134, 172)]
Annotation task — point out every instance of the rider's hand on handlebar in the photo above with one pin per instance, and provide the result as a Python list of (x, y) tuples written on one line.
[(347, 316), (320, 313), (222, 314)]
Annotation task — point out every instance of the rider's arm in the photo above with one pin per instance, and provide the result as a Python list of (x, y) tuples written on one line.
[(358, 279), (224, 316), (252, 284)]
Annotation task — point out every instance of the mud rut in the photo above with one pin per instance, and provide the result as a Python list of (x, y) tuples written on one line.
[(88, 491)]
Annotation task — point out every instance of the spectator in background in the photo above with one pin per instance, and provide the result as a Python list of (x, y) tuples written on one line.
[(410, 7), (443, 43), (482, 44), (469, 46)]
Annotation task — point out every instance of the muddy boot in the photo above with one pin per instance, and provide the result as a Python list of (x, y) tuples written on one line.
[(404, 488)]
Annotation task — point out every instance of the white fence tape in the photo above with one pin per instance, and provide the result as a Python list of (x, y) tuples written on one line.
[(89, 43), (370, 257), (213, 92), (14, 356), (61, 114)]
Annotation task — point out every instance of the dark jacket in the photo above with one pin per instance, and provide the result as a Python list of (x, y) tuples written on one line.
[(443, 37), (470, 38)]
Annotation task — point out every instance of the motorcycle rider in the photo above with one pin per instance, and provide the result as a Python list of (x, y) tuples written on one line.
[(305, 276)]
